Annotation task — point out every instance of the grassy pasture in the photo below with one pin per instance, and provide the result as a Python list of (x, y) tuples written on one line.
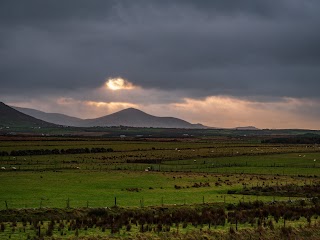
[(123, 145), (99, 189), (303, 163), (171, 154), (96, 179), (184, 172)]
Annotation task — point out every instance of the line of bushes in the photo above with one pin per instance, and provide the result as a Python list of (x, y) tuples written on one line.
[(290, 190), (16, 153), (255, 213)]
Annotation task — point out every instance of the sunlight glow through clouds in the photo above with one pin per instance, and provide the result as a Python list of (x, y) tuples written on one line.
[(111, 106), (224, 111), (93, 109), (119, 83), (79, 108), (213, 111)]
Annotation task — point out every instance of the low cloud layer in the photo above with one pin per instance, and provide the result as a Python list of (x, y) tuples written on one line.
[(176, 52)]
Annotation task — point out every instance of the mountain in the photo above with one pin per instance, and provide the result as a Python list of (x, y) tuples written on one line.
[(10, 117), (132, 117), (56, 118)]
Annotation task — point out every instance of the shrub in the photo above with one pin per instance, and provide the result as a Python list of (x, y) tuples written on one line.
[(2, 227), (128, 227), (286, 231)]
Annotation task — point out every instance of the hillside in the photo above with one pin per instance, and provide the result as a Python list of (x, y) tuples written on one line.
[(128, 117), (10, 117), (56, 118), (135, 118)]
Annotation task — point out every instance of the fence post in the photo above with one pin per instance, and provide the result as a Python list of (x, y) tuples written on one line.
[(115, 201), (6, 205)]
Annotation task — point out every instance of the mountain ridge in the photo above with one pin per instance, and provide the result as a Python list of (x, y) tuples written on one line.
[(130, 117), (10, 117), (133, 117), (56, 118)]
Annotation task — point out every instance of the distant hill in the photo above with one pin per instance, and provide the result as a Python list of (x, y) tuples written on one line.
[(136, 118), (247, 128), (10, 117), (56, 118), (130, 117)]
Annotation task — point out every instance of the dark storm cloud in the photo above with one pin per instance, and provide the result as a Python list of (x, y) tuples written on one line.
[(240, 48)]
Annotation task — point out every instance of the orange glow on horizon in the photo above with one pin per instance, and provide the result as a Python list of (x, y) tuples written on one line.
[(111, 106)]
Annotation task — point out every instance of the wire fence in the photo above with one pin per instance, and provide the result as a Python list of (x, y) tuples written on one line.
[(15, 203)]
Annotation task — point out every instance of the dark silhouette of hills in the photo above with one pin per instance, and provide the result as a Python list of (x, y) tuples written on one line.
[(247, 128), (130, 117), (56, 118), (136, 118), (10, 117)]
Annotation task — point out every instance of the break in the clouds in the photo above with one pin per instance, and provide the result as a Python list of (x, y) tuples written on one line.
[(170, 53)]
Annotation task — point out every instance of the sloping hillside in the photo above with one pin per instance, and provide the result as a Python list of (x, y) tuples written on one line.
[(135, 118), (10, 117), (128, 117), (56, 118)]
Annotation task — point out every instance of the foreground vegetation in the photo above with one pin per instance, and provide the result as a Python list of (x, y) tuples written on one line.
[(216, 221)]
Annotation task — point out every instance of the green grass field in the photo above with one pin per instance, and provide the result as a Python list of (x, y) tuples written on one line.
[(98, 189), (96, 179), (150, 173)]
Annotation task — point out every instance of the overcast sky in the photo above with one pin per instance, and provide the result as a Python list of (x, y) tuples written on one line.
[(221, 63)]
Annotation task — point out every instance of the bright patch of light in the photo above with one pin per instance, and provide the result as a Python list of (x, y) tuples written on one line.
[(112, 106), (119, 83)]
